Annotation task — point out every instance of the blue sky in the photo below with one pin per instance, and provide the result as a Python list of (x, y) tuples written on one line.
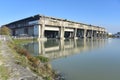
[(105, 13)]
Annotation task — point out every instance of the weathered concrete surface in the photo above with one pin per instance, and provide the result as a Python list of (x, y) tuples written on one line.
[(17, 72)]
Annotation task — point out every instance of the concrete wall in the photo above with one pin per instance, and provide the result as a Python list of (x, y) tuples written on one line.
[(36, 30), (19, 31)]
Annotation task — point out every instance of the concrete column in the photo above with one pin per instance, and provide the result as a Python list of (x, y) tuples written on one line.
[(85, 31), (99, 34), (41, 32), (102, 34), (95, 34), (71, 35), (82, 34), (75, 33), (91, 35), (61, 33), (88, 34)]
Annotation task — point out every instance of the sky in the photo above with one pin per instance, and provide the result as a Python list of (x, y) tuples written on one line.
[(104, 13)]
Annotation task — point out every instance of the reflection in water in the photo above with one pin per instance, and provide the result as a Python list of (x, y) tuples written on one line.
[(101, 60), (61, 48)]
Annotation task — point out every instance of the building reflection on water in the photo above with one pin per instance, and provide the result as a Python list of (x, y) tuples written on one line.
[(61, 48)]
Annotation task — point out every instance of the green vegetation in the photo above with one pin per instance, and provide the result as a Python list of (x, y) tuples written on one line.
[(23, 41), (4, 74), (21, 60), (47, 78), (38, 64), (5, 30), (42, 59)]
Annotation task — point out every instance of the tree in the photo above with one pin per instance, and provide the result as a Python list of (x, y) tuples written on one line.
[(4, 30)]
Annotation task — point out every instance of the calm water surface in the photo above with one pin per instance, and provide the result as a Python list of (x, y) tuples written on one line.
[(82, 59)]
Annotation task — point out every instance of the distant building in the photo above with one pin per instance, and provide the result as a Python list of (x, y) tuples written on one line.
[(117, 35)]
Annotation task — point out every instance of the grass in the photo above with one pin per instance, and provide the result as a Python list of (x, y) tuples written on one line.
[(26, 60), (4, 74), (23, 41), (43, 59), (21, 60), (48, 78)]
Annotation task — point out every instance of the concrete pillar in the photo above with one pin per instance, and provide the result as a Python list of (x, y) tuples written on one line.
[(88, 33), (75, 33), (91, 35), (81, 33), (41, 32), (61, 33), (95, 34), (85, 31), (103, 34), (71, 35), (100, 33)]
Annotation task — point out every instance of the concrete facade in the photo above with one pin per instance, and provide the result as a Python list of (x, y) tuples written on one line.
[(49, 27)]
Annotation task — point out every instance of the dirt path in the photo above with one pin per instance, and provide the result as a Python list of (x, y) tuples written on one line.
[(17, 72)]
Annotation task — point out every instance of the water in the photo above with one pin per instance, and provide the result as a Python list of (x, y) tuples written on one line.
[(82, 59)]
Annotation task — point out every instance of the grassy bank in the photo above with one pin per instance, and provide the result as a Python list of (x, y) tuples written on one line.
[(22, 41), (4, 74), (38, 65)]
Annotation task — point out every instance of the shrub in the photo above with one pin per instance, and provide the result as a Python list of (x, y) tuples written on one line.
[(48, 78), (42, 58), (5, 30)]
